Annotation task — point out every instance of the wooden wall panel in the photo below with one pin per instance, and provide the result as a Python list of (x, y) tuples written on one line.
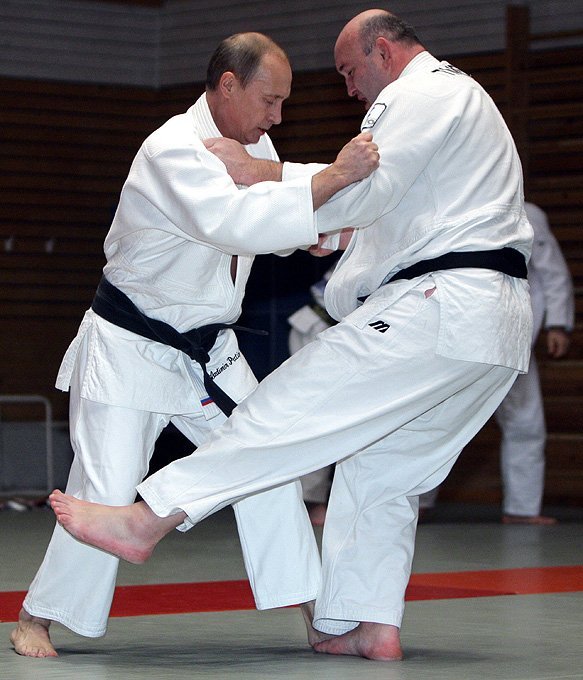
[(64, 154)]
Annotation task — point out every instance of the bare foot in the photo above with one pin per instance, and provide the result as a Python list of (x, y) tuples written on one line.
[(31, 636), (314, 636), (130, 532), (539, 520), (376, 641)]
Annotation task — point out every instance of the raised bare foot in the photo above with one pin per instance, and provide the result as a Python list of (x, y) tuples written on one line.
[(31, 636), (314, 636), (376, 641), (130, 532), (539, 520)]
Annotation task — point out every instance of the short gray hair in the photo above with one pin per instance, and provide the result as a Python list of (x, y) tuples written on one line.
[(241, 54), (389, 26)]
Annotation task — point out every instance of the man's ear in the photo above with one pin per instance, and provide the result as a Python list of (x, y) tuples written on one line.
[(384, 49), (227, 83)]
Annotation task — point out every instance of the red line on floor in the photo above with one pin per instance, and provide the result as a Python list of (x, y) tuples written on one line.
[(215, 596), (527, 581)]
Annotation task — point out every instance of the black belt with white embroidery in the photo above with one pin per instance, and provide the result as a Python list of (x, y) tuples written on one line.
[(114, 306)]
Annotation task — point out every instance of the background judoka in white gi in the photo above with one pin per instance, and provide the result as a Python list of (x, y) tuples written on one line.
[(521, 415), (180, 221), (404, 380)]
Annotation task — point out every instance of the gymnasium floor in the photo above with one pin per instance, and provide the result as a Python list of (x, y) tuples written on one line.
[(486, 601)]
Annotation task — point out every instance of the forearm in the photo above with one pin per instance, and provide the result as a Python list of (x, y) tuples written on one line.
[(259, 170), (355, 161), (325, 183)]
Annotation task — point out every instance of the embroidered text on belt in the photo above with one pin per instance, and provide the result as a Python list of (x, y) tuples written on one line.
[(115, 306)]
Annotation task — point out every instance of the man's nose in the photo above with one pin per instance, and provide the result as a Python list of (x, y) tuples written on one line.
[(352, 92), (276, 114)]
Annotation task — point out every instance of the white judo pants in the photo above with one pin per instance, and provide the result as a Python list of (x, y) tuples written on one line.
[(387, 397), (522, 452), (113, 446), (316, 485)]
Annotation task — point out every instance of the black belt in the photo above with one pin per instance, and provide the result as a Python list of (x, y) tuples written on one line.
[(323, 314), (506, 260), (115, 306)]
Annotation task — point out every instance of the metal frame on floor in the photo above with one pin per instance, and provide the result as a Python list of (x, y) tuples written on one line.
[(48, 416)]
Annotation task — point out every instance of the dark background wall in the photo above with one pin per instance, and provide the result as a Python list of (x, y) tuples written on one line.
[(65, 151)]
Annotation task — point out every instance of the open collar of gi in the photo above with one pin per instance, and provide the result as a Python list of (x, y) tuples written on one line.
[(423, 61), (203, 118)]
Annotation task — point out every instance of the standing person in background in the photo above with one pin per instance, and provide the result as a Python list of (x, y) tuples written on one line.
[(157, 344), (521, 416)]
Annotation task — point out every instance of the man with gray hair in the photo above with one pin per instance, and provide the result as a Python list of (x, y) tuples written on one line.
[(157, 344)]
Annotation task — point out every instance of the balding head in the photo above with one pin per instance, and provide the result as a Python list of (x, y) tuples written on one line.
[(372, 50)]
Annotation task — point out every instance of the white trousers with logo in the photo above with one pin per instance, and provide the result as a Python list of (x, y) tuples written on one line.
[(386, 397)]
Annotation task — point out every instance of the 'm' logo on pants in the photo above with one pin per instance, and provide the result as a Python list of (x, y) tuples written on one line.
[(380, 326)]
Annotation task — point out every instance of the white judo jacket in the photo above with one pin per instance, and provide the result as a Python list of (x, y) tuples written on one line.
[(179, 221), (449, 180)]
